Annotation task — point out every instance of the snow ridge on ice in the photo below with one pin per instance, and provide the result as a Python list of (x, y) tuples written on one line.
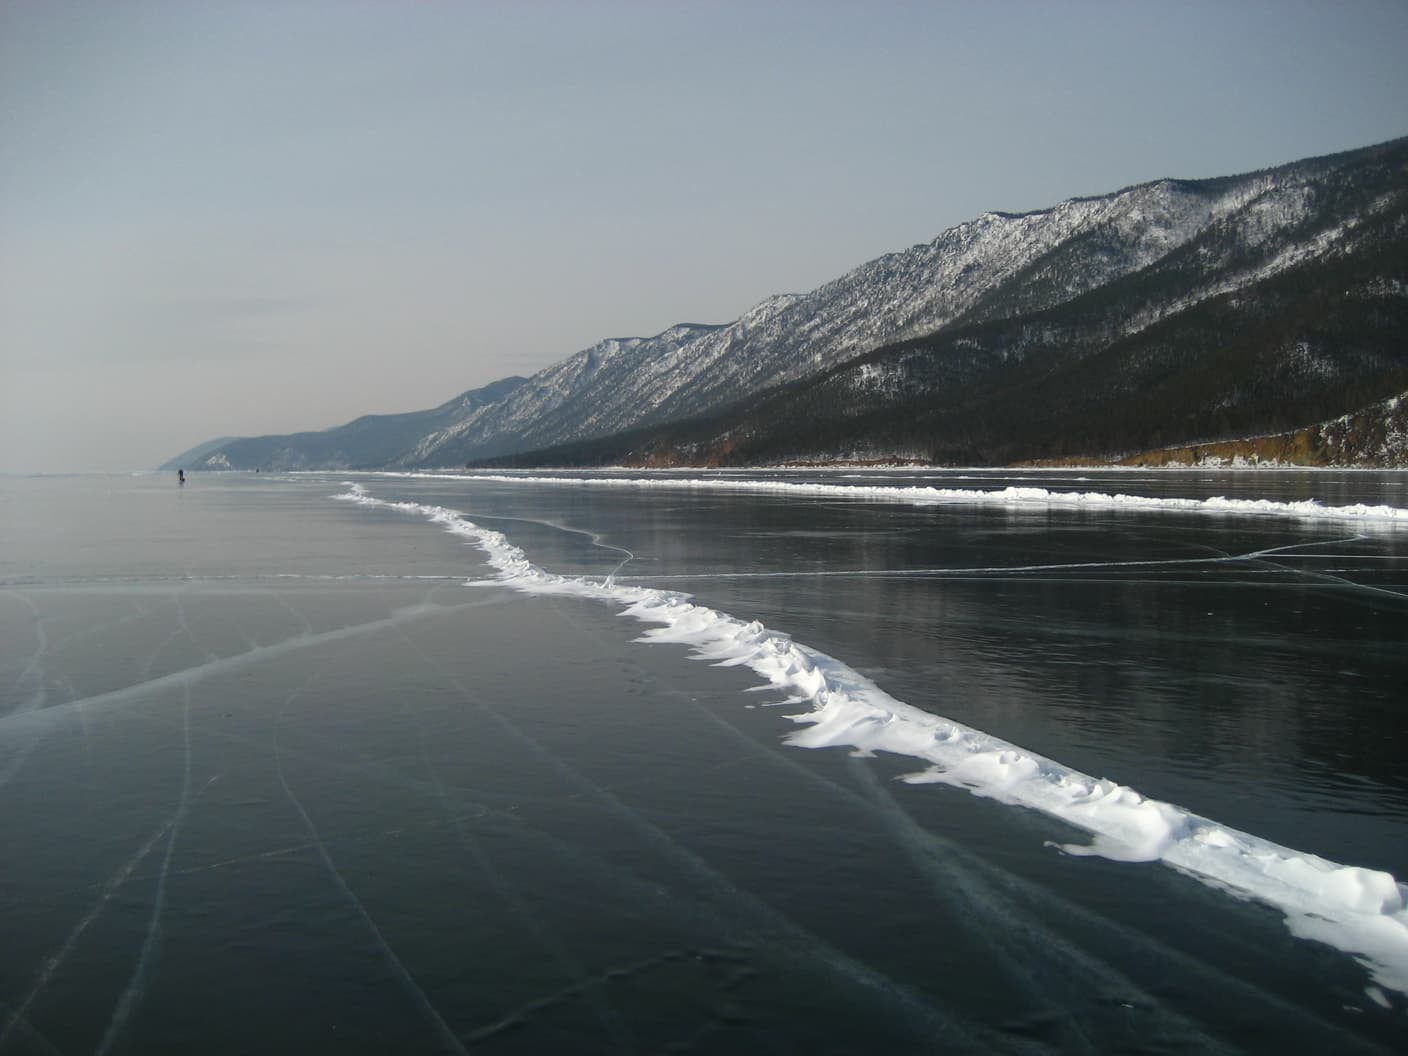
[(1016, 497), (1362, 912)]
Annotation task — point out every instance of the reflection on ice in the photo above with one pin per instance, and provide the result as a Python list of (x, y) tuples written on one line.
[(1360, 911)]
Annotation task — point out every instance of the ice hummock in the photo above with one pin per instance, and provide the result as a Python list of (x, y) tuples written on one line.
[(1010, 497), (1362, 912)]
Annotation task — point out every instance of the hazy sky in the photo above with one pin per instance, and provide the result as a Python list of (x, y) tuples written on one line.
[(231, 218)]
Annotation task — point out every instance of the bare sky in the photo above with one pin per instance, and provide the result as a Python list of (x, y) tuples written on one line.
[(232, 218)]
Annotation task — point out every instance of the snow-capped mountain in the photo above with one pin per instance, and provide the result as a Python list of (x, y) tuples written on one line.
[(1166, 247), (1286, 309)]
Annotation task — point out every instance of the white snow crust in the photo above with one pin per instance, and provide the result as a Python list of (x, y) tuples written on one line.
[(1018, 497), (1356, 910)]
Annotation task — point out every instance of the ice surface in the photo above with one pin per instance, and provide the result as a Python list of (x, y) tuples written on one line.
[(1359, 911), (29, 721), (1017, 497)]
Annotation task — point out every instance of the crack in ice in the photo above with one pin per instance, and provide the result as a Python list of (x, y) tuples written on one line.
[(414, 990), (137, 985), (56, 960), (43, 719), (548, 940), (1357, 910)]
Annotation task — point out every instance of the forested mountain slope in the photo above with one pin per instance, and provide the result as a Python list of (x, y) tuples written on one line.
[(1284, 312), (1172, 310)]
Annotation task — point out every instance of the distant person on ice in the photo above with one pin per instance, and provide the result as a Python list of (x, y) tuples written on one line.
[(181, 477)]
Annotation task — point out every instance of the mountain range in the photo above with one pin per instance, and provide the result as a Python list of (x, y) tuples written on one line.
[(1171, 313)]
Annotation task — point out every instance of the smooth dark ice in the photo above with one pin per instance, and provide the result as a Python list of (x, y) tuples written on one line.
[(285, 774)]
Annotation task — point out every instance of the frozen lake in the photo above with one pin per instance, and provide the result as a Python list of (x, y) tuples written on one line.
[(983, 762)]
